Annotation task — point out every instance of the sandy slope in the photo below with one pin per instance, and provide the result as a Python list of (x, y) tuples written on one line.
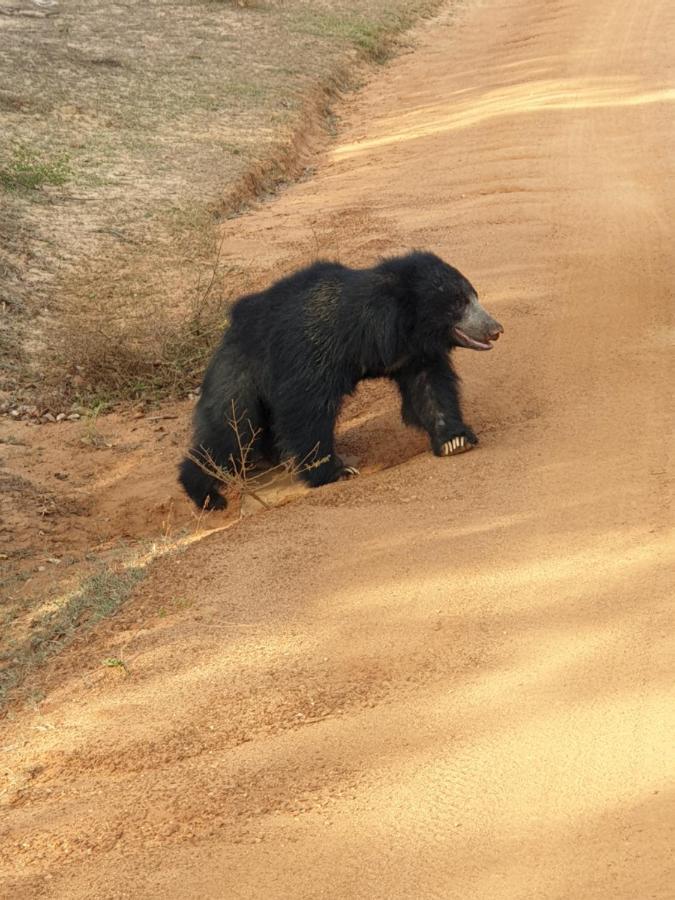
[(452, 678)]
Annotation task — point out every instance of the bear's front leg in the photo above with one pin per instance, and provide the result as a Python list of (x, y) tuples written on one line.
[(327, 469), (431, 402)]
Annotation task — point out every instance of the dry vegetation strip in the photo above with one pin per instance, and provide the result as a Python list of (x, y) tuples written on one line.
[(54, 627), (127, 131)]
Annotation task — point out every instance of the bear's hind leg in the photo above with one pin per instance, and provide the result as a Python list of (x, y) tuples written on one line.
[(267, 448), (201, 488), (227, 440)]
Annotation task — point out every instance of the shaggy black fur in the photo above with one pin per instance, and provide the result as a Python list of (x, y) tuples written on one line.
[(292, 352)]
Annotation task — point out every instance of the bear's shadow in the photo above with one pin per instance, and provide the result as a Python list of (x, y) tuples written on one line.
[(370, 434)]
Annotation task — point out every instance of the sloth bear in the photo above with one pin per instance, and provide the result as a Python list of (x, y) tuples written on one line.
[(291, 353)]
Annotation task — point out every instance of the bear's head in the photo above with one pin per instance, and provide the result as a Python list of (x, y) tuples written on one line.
[(448, 310)]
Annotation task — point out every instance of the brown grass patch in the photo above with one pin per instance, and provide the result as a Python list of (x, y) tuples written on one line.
[(115, 173)]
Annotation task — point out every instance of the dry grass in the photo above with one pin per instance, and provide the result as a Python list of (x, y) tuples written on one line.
[(127, 132), (100, 596)]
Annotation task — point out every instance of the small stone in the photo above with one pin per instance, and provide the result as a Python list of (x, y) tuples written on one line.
[(73, 417), (61, 417), (48, 417), (14, 413)]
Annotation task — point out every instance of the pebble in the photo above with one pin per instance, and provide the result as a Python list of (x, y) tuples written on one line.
[(21, 411), (61, 417)]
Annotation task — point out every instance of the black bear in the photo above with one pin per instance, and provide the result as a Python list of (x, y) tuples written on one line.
[(291, 353)]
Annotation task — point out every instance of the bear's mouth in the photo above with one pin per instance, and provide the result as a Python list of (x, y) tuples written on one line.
[(471, 343)]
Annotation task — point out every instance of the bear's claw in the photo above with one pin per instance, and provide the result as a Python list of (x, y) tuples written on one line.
[(456, 445), (349, 472)]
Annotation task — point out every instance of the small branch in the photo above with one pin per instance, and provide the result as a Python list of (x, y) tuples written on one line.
[(115, 233), (28, 13), (214, 272)]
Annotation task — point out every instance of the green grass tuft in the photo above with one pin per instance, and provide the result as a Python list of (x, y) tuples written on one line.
[(24, 168)]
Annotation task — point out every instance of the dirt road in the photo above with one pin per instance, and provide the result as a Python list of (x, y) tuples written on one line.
[(449, 678)]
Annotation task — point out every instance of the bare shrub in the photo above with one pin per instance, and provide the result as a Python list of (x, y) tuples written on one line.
[(147, 335), (243, 476)]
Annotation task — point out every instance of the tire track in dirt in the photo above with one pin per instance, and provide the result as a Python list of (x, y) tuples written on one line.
[(445, 679)]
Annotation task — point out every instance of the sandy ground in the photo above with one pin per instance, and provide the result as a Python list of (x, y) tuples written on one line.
[(448, 678)]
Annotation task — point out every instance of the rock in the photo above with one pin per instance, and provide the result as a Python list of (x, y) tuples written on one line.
[(48, 417), (61, 417), (74, 417)]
